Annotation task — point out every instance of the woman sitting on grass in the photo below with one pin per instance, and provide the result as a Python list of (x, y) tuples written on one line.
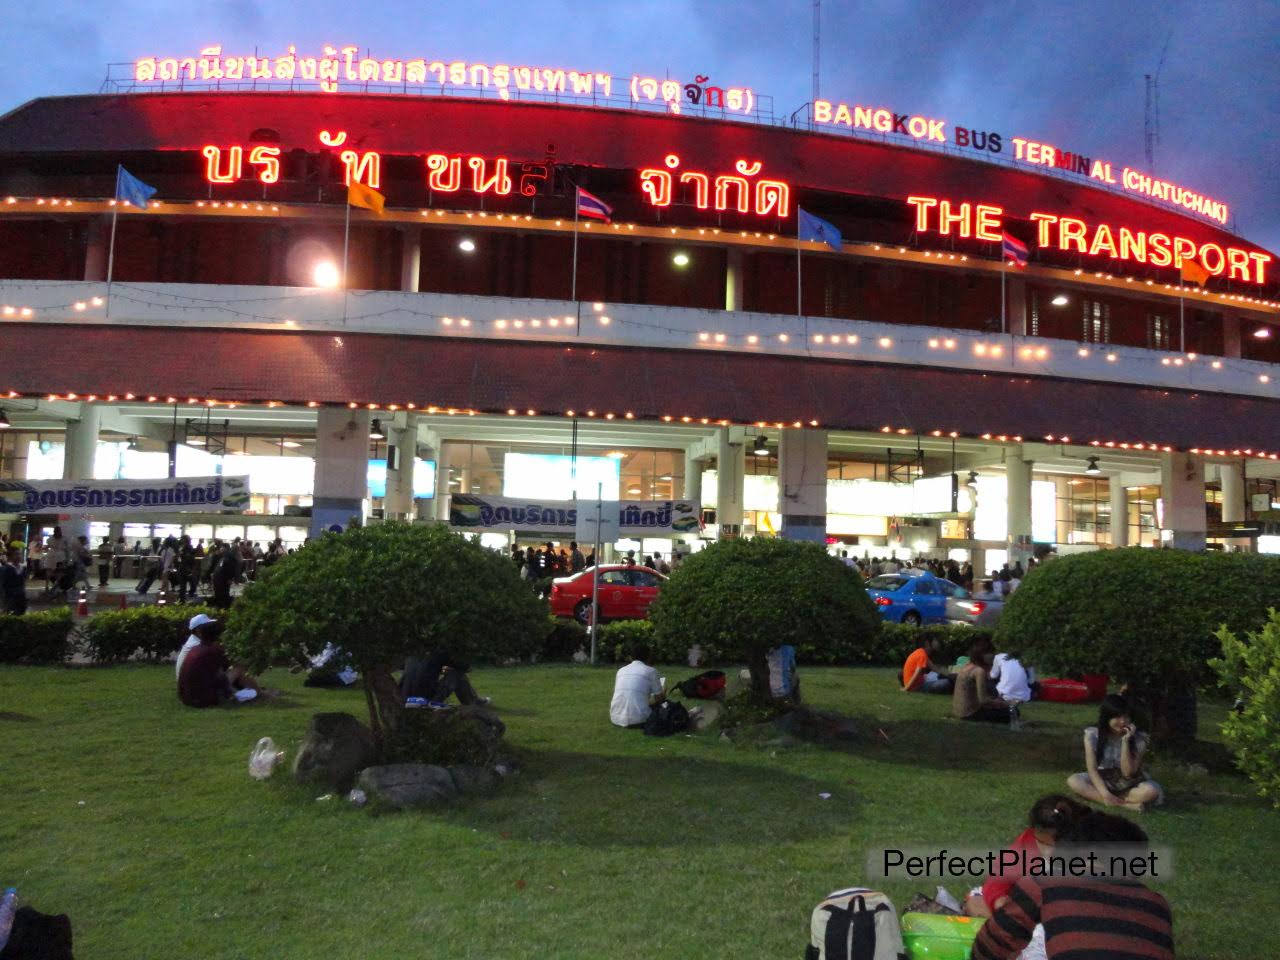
[(972, 700), (1050, 816), (1113, 754)]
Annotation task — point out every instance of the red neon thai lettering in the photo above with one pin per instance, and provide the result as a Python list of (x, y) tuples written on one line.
[(764, 198), (444, 173), (363, 168), (268, 158), (498, 181), (214, 171)]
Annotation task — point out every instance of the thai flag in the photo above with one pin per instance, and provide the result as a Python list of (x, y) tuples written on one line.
[(593, 207), (1014, 249)]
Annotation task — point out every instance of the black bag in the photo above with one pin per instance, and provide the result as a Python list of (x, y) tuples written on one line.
[(705, 686), (665, 719), (38, 936)]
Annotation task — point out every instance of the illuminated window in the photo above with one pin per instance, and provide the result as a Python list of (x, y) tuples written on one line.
[(1096, 322), (1159, 332), (1033, 314)]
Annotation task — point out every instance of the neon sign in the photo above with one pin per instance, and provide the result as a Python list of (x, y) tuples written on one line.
[(338, 65), (932, 130), (770, 197), (1071, 234)]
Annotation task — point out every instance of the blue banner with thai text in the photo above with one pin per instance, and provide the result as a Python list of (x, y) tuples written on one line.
[(647, 518), (183, 494)]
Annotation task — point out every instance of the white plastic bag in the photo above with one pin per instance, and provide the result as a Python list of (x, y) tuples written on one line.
[(264, 759)]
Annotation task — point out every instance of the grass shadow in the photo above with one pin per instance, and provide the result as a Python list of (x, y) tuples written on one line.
[(659, 802), (949, 744), (18, 717)]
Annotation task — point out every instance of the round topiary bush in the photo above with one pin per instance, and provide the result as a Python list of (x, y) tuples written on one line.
[(739, 598), (381, 594), (1145, 617)]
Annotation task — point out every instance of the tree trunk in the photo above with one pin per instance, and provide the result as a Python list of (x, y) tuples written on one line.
[(758, 664), (1174, 713), (385, 705)]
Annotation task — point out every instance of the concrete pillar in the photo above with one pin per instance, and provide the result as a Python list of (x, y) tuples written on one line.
[(410, 259), (733, 280), (731, 463), (442, 482), (1062, 514), (1015, 297), (802, 484), (692, 478), (1018, 502), (342, 469), (95, 249), (398, 503), (1231, 334), (77, 464), (1182, 490), (1231, 477), (1119, 512)]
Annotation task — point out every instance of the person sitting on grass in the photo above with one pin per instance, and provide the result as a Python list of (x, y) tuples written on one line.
[(199, 625), (972, 700), (435, 677), (1114, 752), (1102, 917), (1050, 816), (923, 672), (636, 689), (1014, 682), (207, 678)]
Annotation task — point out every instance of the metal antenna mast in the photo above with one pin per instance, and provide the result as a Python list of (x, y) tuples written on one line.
[(817, 44), (1151, 126)]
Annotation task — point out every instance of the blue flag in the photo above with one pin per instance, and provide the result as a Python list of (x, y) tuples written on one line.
[(815, 228), (132, 190)]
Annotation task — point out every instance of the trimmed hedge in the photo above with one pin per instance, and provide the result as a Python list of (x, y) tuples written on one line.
[(564, 638), (42, 637), (896, 642), (149, 633), (1251, 668)]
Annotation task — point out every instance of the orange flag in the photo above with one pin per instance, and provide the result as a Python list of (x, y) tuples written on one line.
[(359, 195), (1194, 273)]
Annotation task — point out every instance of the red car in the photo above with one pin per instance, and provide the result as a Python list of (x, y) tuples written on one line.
[(625, 593)]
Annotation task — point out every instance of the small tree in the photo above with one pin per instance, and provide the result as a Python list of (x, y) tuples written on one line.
[(739, 598), (1251, 667), (380, 594), (1145, 617)]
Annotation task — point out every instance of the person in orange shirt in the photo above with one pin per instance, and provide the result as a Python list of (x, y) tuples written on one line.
[(922, 673)]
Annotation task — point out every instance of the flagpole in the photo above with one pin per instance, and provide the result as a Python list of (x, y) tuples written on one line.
[(346, 241), (573, 283), (1182, 322), (1004, 268), (111, 248)]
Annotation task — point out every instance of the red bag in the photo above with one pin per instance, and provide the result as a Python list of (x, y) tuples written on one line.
[(1056, 690)]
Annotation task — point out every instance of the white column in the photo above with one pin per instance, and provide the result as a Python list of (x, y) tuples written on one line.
[(802, 484), (1018, 472), (1231, 476), (1182, 490), (692, 477), (398, 503), (342, 469), (1119, 512), (410, 259), (733, 280), (77, 464), (731, 463)]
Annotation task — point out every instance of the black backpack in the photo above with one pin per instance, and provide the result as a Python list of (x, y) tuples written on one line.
[(665, 719), (38, 936)]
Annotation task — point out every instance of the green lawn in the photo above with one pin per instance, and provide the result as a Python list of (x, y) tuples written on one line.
[(137, 817)]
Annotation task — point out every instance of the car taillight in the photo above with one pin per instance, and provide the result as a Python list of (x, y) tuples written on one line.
[(883, 602), (976, 607)]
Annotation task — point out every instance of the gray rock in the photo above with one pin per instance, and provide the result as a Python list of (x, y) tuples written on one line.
[(474, 781), (487, 723), (336, 747), (409, 785)]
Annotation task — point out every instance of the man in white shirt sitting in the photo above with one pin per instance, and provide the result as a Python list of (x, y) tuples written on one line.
[(1013, 680), (635, 690), (198, 625)]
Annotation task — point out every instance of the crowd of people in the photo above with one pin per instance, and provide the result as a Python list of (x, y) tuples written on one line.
[(539, 563), (995, 586)]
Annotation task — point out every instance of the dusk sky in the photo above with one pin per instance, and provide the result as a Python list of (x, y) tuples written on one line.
[(1069, 74)]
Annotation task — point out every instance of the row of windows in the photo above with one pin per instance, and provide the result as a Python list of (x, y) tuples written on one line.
[(1095, 323)]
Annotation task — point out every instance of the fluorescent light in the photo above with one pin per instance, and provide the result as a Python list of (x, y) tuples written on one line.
[(680, 259), (196, 441), (467, 246), (1263, 333), (291, 444), (1060, 300)]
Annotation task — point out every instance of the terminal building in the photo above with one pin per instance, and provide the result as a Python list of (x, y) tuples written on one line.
[(490, 348)]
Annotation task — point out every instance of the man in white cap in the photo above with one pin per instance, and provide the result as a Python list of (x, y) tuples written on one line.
[(199, 625)]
